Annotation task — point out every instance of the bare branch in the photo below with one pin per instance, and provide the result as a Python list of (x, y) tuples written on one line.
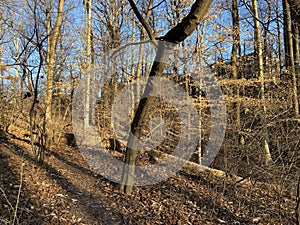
[(189, 23), (115, 53), (143, 22), (154, 7)]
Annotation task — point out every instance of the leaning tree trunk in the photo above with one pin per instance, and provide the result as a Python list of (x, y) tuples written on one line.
[(176, 35)]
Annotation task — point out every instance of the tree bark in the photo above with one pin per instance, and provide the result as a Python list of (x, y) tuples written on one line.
[(287, 30), (295, 5), (291, 57), (258, 43), (52, 43), (296, 43), (280, 47), (142, 38), (88, 7), (176, 35), (236, 51)]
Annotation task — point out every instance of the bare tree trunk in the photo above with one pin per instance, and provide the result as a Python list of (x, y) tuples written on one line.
[(279, 37), (87, 66), (175, 35), (258, 43), (296, 43), (52, 42), (297, 209), (132, 52), (16, 46), (295, 5), (139, 73), (291, 57), (142, 38), (236, 51), (287, 31), (199, 50)]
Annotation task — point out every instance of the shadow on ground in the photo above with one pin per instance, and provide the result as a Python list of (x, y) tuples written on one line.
[(91, 208)]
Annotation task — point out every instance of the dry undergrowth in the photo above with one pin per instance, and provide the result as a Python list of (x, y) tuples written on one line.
[(65, 191)]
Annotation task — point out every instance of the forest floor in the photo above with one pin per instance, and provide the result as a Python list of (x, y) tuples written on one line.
[(63, 190)]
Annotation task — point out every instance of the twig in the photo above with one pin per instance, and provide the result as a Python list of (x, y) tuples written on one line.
[(298, 203), (242, 179), (8, 202), (18, 198), (157, 5)]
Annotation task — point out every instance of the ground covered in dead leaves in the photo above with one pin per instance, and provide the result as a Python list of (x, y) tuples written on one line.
[(65, 191)]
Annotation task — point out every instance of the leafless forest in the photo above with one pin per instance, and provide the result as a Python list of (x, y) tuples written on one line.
[(245, 52)]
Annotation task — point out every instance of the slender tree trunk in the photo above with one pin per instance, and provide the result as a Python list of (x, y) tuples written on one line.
[(279, 37), (296, 43), (236, 51), (291, 57), (287, 31), (87, 66), (18, 78), (52, 43), (199, 51), (132, 52), (258, 43), (142, 38), (295, 5), (297, 66)]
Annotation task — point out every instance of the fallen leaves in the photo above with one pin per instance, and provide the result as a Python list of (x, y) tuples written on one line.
[(67, 192)]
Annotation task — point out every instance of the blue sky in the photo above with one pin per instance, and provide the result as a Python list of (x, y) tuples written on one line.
[(219, 23)]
